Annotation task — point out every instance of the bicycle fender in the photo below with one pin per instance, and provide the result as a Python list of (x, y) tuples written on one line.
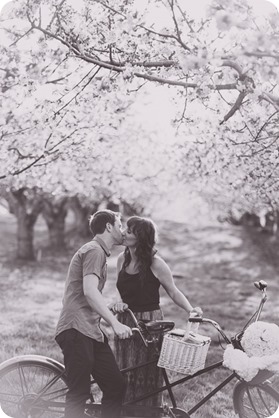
[(35, 358)]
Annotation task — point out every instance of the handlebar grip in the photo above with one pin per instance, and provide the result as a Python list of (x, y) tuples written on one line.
[(261, 285), (195, 319)]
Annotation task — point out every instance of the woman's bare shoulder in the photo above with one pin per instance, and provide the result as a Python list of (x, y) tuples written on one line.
[(158, 263)]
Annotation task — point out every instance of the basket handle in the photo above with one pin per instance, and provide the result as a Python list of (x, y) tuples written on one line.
[(192, 326)]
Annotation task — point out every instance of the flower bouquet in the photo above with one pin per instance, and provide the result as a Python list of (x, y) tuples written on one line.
[(260, 343)]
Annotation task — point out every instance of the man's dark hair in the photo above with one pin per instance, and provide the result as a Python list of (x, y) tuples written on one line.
[(99, 220)]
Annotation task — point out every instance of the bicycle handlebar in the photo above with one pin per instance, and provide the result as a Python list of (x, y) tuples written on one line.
[(141, 336), (261, 285)]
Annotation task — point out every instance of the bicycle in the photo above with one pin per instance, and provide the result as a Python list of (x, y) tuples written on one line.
[(33, 386)]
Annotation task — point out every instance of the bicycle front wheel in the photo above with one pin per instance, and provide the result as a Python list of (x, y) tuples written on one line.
[(32, 387), (255, 401)]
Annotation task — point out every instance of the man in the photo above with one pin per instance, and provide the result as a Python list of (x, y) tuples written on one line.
[(84, 346)]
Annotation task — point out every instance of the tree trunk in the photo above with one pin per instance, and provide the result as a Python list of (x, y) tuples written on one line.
[(131, 209), (26, 205), (54, 212), (82, 214), (25, 235)]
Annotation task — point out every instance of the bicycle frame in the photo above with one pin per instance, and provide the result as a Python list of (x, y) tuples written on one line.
[(169, 385), (166, 387)]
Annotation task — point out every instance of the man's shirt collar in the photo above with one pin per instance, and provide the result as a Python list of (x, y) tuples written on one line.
[(102, 244)]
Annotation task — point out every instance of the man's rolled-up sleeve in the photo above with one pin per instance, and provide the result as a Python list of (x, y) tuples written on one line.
[(93, 263)]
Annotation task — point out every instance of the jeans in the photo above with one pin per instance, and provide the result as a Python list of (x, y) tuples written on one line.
[(83, 357)]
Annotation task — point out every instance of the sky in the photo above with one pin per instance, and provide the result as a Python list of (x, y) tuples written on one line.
[(2, 3)]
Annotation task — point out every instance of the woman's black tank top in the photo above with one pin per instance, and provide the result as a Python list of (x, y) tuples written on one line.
[(140, 294)]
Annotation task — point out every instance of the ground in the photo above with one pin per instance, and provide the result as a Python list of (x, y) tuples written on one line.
[(214, 264)]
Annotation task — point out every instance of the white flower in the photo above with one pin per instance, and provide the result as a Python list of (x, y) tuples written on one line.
[(261, 344), (261, 339)]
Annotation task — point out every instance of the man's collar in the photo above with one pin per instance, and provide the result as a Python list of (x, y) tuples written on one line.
[(102, 244)]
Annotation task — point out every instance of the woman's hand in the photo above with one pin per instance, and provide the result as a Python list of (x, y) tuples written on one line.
[(197, 311), (118, 307)]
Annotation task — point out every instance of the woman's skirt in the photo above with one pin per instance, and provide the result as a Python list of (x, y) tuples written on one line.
[(131, 352)]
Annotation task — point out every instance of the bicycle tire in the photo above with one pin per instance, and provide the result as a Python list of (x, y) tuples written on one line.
[(255, 401), (180, 413), (32, 386)]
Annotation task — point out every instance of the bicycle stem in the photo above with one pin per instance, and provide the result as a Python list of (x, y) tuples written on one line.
[(263, 300), (137, 328), (142, 337)]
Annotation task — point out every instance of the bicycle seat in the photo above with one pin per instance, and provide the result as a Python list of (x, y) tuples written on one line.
[(158, 326)]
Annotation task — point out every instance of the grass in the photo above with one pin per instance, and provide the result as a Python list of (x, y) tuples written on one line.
[(214, 265)]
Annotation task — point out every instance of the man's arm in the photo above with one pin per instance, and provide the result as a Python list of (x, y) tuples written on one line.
[(98, 304)]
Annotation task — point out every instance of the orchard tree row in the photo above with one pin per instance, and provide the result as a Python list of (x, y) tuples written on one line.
[(27, 204)]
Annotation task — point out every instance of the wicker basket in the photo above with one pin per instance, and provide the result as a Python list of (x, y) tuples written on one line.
[(186, 357)]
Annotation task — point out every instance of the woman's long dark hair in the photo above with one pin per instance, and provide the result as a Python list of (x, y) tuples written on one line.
[(145, 231)]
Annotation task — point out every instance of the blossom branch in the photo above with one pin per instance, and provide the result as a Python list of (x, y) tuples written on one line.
[(235, 107), (20, 37), (178, 36), (79, 92), (270, 98), (265, 124)]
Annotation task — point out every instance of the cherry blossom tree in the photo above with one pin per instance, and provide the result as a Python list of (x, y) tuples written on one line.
[(93, 59), (228, 54)]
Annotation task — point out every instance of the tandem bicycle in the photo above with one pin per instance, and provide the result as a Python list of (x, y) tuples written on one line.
[(34, 386)]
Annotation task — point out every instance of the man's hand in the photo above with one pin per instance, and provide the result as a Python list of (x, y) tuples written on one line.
[(121, 330), (118, 307)]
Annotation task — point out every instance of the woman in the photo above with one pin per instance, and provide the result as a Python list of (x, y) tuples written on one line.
[(141, 272)]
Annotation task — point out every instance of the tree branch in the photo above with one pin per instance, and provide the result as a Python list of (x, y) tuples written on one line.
[(79, 92), (20, 37), (56, 11), (163, 35), (166, 36), (121, 68), (19, 153), (265, 124), (160, 80), (234, 65), (178, 37), (17, 172), (261, 54), (270, 98), (235, 107)]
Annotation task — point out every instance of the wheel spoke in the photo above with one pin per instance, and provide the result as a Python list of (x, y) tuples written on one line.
[(23, 382), (256, 401), (252, 403), (264, 402), (32, 389)]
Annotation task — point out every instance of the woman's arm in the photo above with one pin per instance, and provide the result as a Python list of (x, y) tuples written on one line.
[(163, 273)]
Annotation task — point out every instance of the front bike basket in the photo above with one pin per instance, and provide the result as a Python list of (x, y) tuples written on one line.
[(186, 357)]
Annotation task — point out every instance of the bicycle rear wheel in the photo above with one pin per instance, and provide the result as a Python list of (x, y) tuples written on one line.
[(255, 401), (32, 387)]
